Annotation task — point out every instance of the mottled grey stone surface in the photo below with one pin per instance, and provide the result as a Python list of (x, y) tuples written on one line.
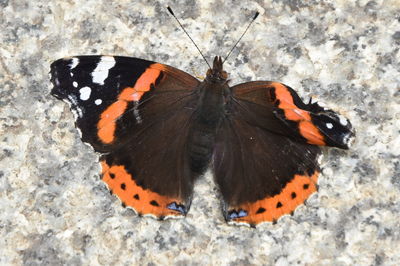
[(55, 210)]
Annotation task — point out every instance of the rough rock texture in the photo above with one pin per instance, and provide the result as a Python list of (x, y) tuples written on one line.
[(55, 210)]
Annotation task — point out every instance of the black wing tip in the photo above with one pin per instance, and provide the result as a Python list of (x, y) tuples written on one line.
[(61, 62)]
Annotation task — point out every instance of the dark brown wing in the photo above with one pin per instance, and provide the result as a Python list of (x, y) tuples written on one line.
[(261, 175), (265, 159)]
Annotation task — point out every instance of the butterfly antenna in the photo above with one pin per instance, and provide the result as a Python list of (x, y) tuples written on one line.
[(172, 13), (248, 26)]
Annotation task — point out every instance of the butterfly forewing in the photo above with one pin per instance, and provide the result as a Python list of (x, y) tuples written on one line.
[(309, 123)]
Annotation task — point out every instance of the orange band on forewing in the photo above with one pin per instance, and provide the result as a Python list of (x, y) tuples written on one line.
[(283, 95), (311, 133), (126, 94), (149, 77), (270, 209), (143, 201), (107, 123), (307, 129), (297, 114), (106, 126)]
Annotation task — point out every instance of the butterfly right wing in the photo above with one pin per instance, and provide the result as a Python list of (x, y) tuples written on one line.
[(266, 154)]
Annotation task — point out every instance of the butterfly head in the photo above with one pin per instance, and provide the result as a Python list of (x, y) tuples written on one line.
[(217, 74)]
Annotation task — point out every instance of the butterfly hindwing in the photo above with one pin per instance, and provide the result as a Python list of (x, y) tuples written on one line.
[(152, 165), (261, 175), (130, 109)]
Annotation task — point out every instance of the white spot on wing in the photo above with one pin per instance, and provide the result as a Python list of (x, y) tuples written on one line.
[(100, 73), (329, 125), (74, 62), (76, 111), (79, 132), (342, 120), (72, 100), (85, 93), (349, 139), (136, 112), (98, 102), (75, 84), (80, 113)]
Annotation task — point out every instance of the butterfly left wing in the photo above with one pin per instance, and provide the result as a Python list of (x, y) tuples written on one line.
[(130, 110), (104, 89)]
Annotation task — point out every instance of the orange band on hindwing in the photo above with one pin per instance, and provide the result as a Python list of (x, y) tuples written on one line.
[(143, 201), (293, 113), (108, 119), (272, 208)]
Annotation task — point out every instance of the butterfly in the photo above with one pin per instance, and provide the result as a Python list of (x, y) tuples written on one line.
[(158, 129)]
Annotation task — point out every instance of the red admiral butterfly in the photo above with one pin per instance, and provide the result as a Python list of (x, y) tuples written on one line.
[(158, 130)]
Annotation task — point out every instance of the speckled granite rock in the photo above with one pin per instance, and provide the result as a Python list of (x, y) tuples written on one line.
[(55, 210)]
